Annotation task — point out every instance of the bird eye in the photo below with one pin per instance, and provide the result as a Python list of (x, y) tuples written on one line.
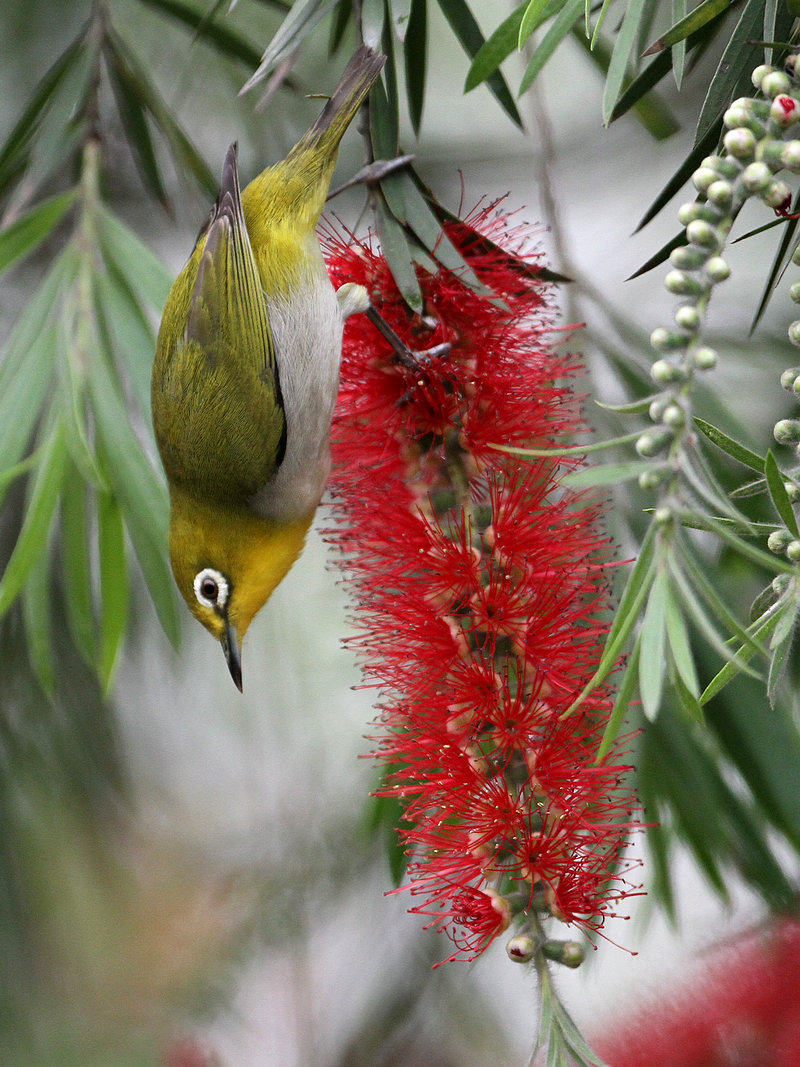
[(211, 589)]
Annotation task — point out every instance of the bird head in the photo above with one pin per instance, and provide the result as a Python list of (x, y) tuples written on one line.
[(226, 562)]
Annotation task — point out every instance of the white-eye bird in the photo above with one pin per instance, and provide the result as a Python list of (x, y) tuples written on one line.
[(246, 373)]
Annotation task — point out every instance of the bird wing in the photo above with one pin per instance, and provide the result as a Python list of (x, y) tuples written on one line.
[(228, 426)]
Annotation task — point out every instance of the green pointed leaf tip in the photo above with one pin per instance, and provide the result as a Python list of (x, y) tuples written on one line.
[(652, 641), (497, 47), (780, 498), (27, 233), (733, 448), (531, 18), (621, 56), (694, 21)]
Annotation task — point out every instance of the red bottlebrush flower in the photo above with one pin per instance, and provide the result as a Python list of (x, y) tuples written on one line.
[(481, 585)]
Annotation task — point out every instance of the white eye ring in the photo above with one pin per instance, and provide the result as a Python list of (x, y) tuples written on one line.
[(211, 589)]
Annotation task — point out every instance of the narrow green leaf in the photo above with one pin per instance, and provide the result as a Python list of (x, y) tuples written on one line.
[(298, 24), (77, 565), (621, 57), (531, 19), (145, 273), (561, 26), (395, 249), (40, 506), (732, 76), (689, 700), (498, 46), (728, 445), (679, 48), (762, 629), (633, 598), (23, 236), (606, 474), (661, 256), (652, 646), (679, 645), (601, 18), (754, 488), (401, 17), (632, 407), (113, 584), (340, 24), (719, 609), (36, 615), (129, 331), (622, 703), (383, 125), (780, 498), (13, 153), (570, 450), (131, 106), (779, 262), (764, 559), (415, 54), (695, 20), (682, 175), (219, 36), (637, 90), (463, 24)]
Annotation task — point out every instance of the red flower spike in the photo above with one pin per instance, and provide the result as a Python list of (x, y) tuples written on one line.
[(481, 587)]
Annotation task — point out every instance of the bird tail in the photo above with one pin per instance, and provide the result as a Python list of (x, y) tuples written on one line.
[(358, 78)]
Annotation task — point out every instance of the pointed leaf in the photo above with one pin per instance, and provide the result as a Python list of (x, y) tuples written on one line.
[(679, 48), (36, 615), (695, 20), (624, 46), (416, 61), (219, 36), (652, 646), (145, 273), (531, 19), (395, 248), (113, 584), (779, 262), (732, 76), (622, 703), (762, 629), (606, 474), (679, 645), (40, 507), (780, 498), (76, 562), (401, 17), (498, 46), (682, 174), (733, 448), (661, 256), (27, 233), (561, 26), (301, 20), (463, 24)]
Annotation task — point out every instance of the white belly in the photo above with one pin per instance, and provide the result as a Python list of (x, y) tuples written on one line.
[(307, 331)]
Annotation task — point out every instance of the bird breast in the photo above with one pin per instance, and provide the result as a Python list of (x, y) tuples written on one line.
[(307, 331)]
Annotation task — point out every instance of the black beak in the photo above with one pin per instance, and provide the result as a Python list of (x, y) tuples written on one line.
[(233, 656)]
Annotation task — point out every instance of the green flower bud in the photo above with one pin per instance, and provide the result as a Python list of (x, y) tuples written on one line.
[(521, 949), (796, 256), (650, 480), (688, 257), (792, 491), (778, 540), (658, 407), (789, 375), (775, 83), (704, 358), (787, 431), (695, 210), (794, 332), (720, 193), (703, 177), (688, 318), (717, 270), (759, 74), (651, 442), (664, 340), (723, 166), (740, 143), (794, 292), (770, 152), (790, 156), (777, 194), (682, 284), (569, 953), (703, 234), (780, 583), (663, 516), (674, 416), (756, 177), (743, 118), (793, 551)]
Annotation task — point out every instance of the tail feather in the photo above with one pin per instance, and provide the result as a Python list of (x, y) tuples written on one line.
[(358, 78)]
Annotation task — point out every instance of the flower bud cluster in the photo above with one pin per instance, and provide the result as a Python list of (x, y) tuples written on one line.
[(756, 146)]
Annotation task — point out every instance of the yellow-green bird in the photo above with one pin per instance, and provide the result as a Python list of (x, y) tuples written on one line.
[(245, 377)]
